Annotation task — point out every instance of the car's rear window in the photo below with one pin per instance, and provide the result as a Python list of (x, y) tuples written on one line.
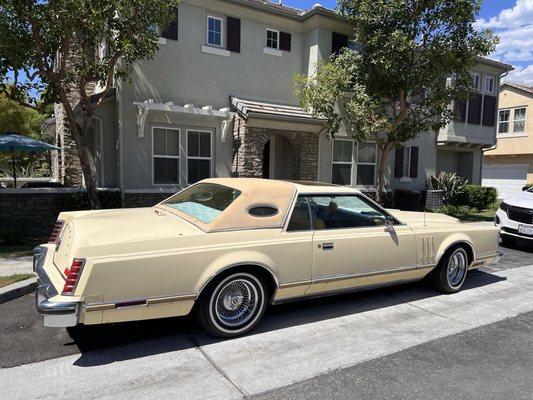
[(204, 201)]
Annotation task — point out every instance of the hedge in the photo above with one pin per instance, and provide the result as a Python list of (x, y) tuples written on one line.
[(475, 196)]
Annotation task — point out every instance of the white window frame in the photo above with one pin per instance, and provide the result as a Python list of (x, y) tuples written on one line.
[(488, 77), (407, 178), (187, 157), (472, 74), (154, 156), (266, 38), (350, 163), (500, 122), (221, 31), (357, 163), (525, 119)]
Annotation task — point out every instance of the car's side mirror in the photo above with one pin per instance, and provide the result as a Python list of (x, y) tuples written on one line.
[(525, 188), (389, 224)]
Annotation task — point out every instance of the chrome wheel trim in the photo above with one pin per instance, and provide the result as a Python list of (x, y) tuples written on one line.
[(457, 268), (236, 302)]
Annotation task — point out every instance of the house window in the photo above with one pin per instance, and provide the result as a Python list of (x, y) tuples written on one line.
[(198, 155), (214, 31), (406, 161), (342, 162), (166, 160), (489, 84), (272, 39), (519, 120), (503, 121), (476, 80), (366, 163)]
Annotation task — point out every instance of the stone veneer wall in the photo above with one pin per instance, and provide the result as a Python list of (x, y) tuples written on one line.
[(249, 143)]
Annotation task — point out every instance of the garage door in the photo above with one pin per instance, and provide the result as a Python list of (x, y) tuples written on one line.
[(508, 179)]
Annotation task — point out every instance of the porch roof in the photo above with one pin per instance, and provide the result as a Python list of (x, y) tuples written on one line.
[(249, 108)]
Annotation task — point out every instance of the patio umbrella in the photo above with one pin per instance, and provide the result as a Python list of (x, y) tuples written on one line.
[(10, 141)]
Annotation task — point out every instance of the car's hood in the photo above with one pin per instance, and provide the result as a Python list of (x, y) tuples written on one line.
[(415, 218), (524, 199)]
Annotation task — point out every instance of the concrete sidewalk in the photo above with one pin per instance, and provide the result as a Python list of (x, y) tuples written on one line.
[(16, 265)]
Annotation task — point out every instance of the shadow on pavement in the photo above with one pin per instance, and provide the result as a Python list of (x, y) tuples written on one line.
[(134, 340)]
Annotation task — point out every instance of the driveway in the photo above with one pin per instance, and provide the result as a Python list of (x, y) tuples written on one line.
[(298, 342)]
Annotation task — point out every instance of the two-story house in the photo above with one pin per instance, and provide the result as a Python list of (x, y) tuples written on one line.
[(218, 100), (509, 165)]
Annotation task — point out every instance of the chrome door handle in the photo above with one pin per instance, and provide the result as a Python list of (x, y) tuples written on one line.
[(327, 246)]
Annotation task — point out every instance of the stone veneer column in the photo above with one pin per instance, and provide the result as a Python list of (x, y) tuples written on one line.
[(249, 144)]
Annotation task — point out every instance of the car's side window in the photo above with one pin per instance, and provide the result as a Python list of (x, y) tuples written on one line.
[(300, 218), (344, 211)]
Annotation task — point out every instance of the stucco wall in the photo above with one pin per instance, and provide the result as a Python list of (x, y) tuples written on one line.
[(511, 144), (465, 132)]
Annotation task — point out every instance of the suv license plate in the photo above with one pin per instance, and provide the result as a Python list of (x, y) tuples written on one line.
[(525, 230)]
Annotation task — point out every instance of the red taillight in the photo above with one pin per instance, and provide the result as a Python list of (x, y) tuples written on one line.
[(56, 232), (73, 275)]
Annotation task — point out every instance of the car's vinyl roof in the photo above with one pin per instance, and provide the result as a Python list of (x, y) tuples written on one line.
[(257, 192)]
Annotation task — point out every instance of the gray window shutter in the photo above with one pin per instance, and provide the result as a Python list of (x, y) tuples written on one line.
[(489, 110), (474, 109), (398, 162), (171, 31), (413, 168), (285, 41), (233, 38)]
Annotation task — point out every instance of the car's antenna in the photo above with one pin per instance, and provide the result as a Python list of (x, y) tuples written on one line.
[(424, 216)]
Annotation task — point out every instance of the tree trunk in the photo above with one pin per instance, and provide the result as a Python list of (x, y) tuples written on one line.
[(86, 166), (381, 170), (79, 135)]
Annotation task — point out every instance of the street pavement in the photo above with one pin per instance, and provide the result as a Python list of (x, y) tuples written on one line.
[(402, 342)]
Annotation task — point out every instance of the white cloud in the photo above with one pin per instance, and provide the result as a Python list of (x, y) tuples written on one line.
[(514, 26), (520, 14), (523, 75)]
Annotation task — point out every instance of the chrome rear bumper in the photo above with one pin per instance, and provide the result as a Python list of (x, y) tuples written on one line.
[(56, 314)]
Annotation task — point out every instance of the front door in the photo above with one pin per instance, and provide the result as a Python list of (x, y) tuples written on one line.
[(351, 242)]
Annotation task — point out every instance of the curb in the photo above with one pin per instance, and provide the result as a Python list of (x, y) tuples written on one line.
[(17, 289)]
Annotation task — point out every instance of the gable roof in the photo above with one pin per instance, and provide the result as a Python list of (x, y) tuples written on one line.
[(523, 88)]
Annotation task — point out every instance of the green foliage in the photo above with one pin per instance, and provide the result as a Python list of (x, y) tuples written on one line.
[(12, 237), (24, 121), (475, 196), (398, 83), (407, 200), (456, 211), (80, 201), (449, 182)]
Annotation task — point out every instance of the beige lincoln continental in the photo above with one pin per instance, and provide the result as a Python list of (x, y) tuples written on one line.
[(226, 248)]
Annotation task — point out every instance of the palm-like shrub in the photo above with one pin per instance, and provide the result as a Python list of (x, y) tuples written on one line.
[(449, 182)]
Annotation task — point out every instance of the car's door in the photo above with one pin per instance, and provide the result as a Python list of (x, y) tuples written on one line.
[(351, 240)]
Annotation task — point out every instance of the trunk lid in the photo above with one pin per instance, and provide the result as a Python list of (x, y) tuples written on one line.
[(113, 227)]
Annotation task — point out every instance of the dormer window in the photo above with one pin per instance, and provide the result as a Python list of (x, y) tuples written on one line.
[(272, 39), (214, 31)]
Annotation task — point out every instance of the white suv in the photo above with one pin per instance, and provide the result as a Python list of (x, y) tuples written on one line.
[(515, 217)]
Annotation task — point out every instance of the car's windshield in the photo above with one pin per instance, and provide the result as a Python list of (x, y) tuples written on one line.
[(204, 201)]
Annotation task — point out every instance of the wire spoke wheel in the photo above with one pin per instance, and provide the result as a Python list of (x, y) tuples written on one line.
[(236, 303), (457, 267)]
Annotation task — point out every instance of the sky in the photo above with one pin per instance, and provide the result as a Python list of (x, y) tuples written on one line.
[(512, 20)]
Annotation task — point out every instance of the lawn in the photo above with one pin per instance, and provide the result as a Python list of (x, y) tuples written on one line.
[(485, 215), (9, 280)]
